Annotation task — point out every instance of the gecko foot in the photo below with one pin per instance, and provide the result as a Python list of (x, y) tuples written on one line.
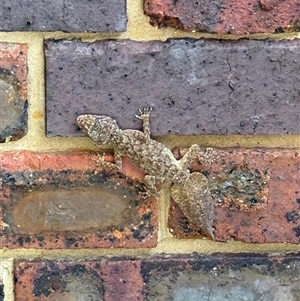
[(208, 157), (143, 113)]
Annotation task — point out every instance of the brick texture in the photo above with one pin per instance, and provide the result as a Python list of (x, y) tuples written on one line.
[(13, 91), (65, 201), (69, 16), (212, 87), (108, 280), (256, 194), (229, 16), (235, 278), (239, 277)]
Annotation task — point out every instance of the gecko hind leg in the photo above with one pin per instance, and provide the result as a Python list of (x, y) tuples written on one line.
[(117, 166), (195, 152), (150, 185)]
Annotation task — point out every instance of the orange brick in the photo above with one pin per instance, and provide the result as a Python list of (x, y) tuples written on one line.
[(65, 201), (227, 16), (258, 213)]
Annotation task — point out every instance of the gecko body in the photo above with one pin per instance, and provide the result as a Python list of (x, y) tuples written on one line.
[(190, 191)]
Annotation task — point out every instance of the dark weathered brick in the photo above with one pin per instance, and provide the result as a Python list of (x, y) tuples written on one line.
[(226, 16), (195, 86), (256, 192), (239, 277), (69, 16), (108, 280), (65, 201), (222, 277), (13, 91), (58, 281)]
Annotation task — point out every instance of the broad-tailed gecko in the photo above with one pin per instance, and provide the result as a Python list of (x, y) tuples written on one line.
[(189, 190)]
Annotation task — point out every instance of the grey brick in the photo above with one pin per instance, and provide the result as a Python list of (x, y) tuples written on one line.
[(63, 15), (194, 86), (222, 277)]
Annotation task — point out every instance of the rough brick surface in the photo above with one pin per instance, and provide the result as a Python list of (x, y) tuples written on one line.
[(64, 201), (13, 91), (222, 277), (66, 15), (233, 277), (247, 209), (226, 16), (211, 87), (82, 280)]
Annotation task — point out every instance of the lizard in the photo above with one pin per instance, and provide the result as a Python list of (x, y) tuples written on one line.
[(189, 190)]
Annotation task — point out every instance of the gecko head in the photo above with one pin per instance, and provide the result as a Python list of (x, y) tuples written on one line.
[(101, 129)]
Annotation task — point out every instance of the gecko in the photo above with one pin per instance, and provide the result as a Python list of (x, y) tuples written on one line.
[(189, 190)]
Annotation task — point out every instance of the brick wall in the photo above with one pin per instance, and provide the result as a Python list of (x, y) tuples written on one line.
[(219, 74)]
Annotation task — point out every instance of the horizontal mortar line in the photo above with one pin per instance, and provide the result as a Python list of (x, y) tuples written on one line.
[(218, 141), (24, 37), (175, 33), (170, 246)]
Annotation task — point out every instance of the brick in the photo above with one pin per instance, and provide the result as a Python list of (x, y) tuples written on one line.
[(246, 209), (240, 87), (66, 201), (193, 277), (81, 280), (222, 277), (68, 16), (229, 16), (13, 91)]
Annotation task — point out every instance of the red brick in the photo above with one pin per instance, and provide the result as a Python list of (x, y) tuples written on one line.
[(65, 201), (122, 280), (13, 91), (108, 280), (260, 213), (229, 16), (233, 87), (222, 277), (70, 16)]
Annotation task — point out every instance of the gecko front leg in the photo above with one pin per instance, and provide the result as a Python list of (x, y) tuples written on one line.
[(144, 115)]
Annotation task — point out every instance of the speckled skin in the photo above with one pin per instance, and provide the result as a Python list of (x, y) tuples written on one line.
[(157, 161)]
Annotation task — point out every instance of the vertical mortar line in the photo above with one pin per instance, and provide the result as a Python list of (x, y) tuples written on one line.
[(131, 7), (138, 27), (36, 90), (163, 212), (8, 279)]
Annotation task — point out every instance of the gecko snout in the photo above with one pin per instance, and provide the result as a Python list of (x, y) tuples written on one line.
[(85, 121)]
